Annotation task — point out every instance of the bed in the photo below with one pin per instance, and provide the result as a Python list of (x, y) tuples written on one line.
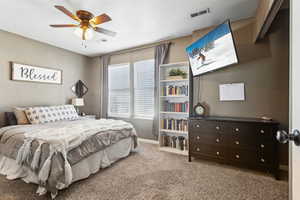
[(54, 155)]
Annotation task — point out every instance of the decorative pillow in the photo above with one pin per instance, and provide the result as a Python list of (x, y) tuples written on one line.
[(41, 115), (33, 115), (68, 112), (21, 116), (10, 119)]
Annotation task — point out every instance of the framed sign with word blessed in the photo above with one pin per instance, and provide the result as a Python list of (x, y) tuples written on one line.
[(23, 72)]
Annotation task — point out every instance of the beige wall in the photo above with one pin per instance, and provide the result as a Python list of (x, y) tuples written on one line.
[(176, 52), (93, 97), (262, 12), (177, 49), (143, 54), (23, 50)]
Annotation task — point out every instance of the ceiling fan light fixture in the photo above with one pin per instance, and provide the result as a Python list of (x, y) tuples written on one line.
[(89, 33), (87, 23)]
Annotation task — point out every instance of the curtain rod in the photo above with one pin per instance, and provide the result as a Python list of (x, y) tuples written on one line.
[(136, 49)]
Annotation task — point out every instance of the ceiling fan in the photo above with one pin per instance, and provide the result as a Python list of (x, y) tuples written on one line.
[(87, 23)]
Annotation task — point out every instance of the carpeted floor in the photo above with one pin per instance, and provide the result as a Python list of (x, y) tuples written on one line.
[(154, 175)]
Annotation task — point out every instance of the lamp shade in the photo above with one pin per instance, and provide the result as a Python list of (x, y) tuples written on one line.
[(78, 102), (89, 33)]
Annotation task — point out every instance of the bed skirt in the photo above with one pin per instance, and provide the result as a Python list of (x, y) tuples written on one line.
[(81, 170)]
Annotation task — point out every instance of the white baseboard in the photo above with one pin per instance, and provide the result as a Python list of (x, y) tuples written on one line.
[(148, 141)]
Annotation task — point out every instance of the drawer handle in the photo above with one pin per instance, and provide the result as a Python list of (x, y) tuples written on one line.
[(237, 142), (198, 137), (217, 140), (262, 146), (262, 160), (218, 153), (262, 131), (198, 149), (218, 128), (237, 156), (198, 125), (237, 129)]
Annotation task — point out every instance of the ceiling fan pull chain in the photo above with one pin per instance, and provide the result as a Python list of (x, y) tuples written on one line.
[(83, 43)]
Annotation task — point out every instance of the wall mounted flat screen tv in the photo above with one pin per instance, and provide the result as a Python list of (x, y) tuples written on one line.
[(213, 51)]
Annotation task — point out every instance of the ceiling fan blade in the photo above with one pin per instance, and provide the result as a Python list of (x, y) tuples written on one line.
[(63, 25), (100, 19), (67, 12), (105, 31)]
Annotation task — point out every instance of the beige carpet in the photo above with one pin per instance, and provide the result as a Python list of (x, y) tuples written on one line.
[(154, 175)]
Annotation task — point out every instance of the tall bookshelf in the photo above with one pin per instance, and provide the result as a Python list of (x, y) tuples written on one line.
[(174, 109)]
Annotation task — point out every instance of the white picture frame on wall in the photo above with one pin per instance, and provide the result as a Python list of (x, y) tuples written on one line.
[(232, 92), (31, 73)]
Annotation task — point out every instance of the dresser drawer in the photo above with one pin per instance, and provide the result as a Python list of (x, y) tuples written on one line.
[(249, 157), (250, 144), (250, 134), (216, 151), (242, 156), (266, 147), (208, 138), (247, 129), (201, 126)]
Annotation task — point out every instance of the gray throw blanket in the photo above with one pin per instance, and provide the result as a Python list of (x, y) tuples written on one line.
[(50, 150)]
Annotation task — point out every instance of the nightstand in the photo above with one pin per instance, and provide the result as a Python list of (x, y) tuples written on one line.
[(88, 117)]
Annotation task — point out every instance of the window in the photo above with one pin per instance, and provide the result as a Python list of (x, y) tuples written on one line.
[(144, 89), (131, 90), (119, 90)]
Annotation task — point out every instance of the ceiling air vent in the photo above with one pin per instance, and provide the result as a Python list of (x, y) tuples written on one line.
[(202, 12)]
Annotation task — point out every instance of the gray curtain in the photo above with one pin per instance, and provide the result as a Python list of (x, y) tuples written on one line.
[(161, 52), (104, 83)]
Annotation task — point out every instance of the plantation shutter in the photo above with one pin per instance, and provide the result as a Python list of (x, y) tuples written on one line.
[(144, 89), (119, 90)]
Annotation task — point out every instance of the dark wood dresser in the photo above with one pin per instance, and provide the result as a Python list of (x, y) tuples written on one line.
[(241, 142)]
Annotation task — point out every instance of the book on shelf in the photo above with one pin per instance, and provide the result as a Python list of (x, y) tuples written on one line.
[(171, 90), (179, 143), (175, 107), (174, 124)]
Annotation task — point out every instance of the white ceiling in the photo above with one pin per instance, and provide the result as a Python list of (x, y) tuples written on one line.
[(136, 22)]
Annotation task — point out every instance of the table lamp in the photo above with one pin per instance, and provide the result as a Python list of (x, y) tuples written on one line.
[(78, 102)]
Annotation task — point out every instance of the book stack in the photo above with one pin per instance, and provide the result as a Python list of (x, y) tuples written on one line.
[(176, 107), (171, 90), (180, 143), (175, 124)]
